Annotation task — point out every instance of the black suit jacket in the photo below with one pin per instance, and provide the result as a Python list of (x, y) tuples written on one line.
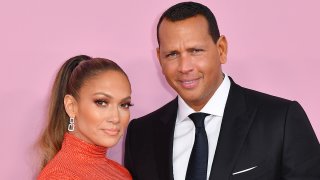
[(269, 133)]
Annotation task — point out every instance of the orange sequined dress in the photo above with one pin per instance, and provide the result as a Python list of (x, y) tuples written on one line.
[(80, 160)]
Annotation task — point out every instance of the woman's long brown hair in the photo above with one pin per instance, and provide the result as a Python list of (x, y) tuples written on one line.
[(69, 80)]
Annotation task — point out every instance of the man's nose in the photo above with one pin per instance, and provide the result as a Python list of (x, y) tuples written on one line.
[(185, 63)]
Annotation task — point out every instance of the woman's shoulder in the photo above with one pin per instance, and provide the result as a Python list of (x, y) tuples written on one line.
[(57, 168), (119, 169), (56, 173)]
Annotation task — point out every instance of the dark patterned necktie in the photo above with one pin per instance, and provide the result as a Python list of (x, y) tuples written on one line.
[(198, 162)]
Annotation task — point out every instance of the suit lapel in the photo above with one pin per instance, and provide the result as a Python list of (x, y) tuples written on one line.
[(164, 132), (234, 128)]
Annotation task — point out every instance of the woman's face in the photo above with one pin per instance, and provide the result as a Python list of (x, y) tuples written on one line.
[(102, 109)]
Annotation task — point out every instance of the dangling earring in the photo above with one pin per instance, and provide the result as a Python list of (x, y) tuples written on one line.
[(71, 124)]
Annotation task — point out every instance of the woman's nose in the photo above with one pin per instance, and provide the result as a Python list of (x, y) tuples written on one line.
[(114, 115)]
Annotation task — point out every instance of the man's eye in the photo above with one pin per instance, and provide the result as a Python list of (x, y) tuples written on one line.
[(195, 51), (171, 55)]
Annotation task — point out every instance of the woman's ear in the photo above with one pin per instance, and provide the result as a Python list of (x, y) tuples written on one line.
[(70, 105)]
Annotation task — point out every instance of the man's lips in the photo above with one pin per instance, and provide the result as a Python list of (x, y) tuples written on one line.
[(189, 83)]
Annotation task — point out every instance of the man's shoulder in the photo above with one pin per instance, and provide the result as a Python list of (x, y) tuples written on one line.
[(262, 99), (255, 96), (262, 96)]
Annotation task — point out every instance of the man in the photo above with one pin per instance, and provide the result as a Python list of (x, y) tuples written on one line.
[(244, 135)]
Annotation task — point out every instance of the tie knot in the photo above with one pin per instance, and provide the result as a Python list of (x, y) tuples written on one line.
[(198, 119)]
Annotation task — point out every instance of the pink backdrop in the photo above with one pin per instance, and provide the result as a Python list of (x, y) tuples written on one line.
[(273, 47)]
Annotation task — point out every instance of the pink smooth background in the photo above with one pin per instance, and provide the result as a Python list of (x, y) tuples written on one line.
[(273, 47)]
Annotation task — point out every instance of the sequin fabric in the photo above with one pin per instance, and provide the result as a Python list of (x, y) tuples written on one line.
[(80, 160)]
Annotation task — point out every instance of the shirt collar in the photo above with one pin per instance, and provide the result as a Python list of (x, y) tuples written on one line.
[(215, 106)]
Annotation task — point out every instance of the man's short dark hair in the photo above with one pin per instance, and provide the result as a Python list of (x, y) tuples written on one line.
[(185, 10)]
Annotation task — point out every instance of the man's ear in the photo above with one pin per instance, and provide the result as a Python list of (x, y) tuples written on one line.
[(70, 105), (158, 54), (222, 46)]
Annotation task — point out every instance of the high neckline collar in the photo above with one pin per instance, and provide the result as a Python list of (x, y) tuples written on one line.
[(215, 106), (79, 147)]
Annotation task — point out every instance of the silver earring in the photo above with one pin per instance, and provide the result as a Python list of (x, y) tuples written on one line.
[(71, 124)]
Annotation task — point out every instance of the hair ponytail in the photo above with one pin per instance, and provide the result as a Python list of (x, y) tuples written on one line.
[(51, 140)]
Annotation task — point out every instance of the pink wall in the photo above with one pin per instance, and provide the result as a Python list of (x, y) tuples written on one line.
[(273, 48)]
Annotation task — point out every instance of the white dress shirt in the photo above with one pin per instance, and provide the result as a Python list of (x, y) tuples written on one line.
[(184, 132)]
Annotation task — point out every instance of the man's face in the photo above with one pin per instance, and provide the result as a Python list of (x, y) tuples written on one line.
[(190, 60)]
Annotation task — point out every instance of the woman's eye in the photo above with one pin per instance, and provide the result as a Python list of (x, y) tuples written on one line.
[(126, 105), (101, 102)]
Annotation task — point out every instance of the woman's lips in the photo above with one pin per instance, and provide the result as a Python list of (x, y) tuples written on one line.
[(111, 132)]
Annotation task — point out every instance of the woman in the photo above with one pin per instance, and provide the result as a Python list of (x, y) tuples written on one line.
[(88, 113)]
